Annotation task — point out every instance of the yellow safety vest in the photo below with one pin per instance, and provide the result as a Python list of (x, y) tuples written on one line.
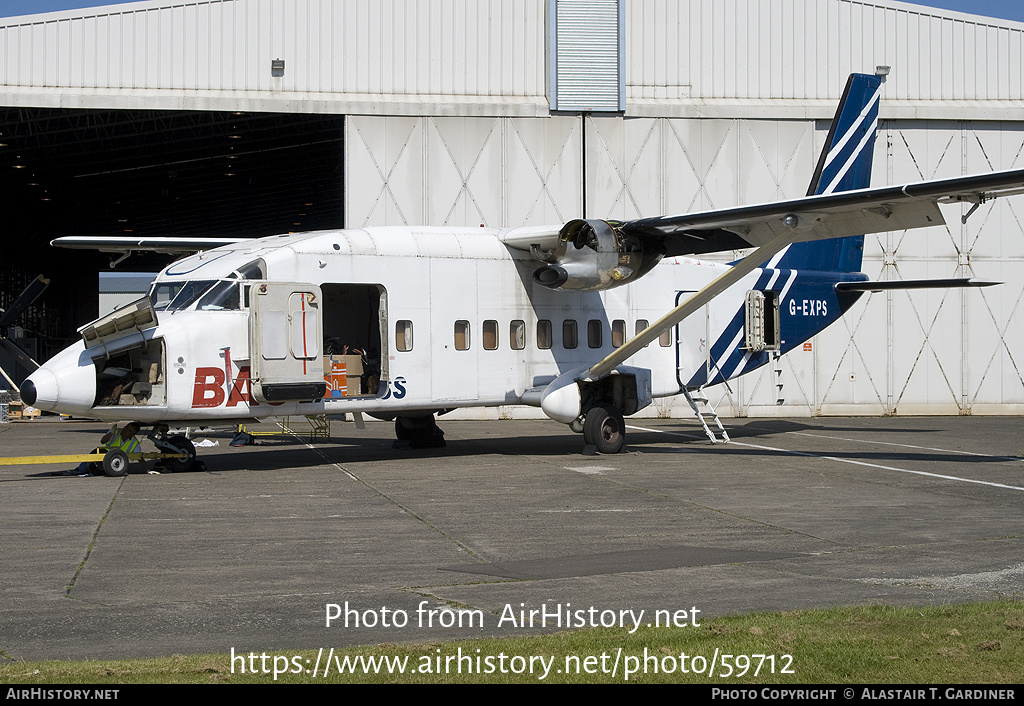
[(126, 445)]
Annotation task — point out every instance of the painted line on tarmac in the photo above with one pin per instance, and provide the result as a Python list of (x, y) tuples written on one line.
[(906, 446), (840, 460)]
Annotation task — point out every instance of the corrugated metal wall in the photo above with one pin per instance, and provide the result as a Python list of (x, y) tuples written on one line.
[(389, 49), (786, 58), (803, 50)]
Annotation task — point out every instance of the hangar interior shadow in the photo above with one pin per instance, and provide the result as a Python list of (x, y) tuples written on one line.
[(146, 173)]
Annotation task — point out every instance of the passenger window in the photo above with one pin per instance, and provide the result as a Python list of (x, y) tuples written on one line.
[(517, 335), (594, 333), (618, 333), (544, 334), (490, 335), (569, 337), (641, 324), (403, 335), (462, 335), (665, 339)]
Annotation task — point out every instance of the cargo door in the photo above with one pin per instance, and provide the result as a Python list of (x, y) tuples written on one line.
[(285, 331)]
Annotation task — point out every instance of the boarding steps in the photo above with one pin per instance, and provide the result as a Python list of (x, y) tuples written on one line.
[(777, 377), (697, 399)]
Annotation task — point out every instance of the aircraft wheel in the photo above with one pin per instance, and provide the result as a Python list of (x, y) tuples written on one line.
[(403, 429), (418, 433), (184, 446), (115, 463), (605, 429)]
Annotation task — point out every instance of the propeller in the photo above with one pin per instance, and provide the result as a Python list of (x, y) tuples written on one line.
[(32, 292)]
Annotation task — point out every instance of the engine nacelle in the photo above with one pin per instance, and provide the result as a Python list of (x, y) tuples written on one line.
[(593, 255)]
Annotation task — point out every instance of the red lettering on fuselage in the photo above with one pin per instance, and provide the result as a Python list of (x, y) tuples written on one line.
[(209, 388), (240, 389)]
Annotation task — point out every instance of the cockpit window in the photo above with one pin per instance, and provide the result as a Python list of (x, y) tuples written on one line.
[(212, 295), (222, 296), (253, 270), (178, 296), (161, 294)]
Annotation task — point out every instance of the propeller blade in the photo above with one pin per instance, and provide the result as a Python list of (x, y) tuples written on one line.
[(19, 355), (24, 301)]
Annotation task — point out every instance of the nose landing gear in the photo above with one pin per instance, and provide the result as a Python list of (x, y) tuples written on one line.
[(176, 444)]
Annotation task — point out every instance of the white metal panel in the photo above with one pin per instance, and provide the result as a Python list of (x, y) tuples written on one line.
[(384, 178), (942, 352), (463, 168), (648, 167), (462, 171), (542, 171)]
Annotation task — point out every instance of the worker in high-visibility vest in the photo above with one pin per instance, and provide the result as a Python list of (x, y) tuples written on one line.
[(125, 439)]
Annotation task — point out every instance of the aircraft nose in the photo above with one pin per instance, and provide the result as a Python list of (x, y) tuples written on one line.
[(28, 393), (40, 389), (66, 383)]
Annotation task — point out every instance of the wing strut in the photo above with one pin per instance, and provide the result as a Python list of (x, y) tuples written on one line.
[(711, 290)]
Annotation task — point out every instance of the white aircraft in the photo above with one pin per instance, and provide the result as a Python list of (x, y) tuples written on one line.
[(571, 319)]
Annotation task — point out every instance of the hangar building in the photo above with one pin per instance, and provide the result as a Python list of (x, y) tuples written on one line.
[(253, 117)]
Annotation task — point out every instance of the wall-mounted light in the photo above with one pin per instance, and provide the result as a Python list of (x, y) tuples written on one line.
[(881, 71), (277, 68)]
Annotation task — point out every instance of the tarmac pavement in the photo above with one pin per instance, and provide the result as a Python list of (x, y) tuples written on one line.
[(249, 554)]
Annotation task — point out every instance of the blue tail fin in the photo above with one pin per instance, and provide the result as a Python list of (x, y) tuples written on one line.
[(844, 164)]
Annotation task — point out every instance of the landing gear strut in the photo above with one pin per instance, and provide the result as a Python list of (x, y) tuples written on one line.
[(418, 433), (604, 429), (177, 444)]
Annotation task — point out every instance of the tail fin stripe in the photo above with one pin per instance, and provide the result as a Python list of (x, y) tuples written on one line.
[(838, 147), (774, 262), (869, 135)]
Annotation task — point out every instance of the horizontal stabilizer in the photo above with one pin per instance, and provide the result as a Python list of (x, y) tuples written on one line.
[(912, 284)]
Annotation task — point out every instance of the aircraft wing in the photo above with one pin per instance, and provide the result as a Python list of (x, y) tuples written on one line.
[(823, 216), (773, 226), (125, 245)]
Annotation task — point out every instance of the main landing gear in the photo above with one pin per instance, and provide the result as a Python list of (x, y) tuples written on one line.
[(418, 433), (604, 429)]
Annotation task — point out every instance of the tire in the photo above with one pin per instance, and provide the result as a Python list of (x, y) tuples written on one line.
[(183, 445), (115, 463), (402, 432), (605, 429), (418, 433)]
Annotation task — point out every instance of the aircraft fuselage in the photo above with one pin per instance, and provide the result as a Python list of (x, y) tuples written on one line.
[(442, 318)]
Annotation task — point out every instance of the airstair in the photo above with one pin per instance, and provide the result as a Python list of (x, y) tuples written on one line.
[(702, 409)]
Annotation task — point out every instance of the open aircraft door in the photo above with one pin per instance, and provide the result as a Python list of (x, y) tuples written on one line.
[(285, 331)]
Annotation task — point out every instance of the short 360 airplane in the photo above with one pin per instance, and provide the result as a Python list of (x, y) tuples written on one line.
[(571, 318)]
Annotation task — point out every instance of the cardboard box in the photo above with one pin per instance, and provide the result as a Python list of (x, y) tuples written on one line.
[(342, 375)]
